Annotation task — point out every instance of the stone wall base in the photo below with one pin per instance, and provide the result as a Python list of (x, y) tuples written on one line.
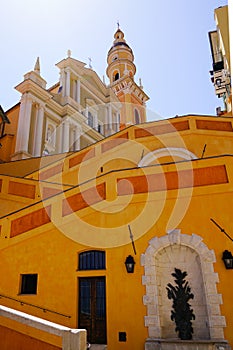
[(176, 344)]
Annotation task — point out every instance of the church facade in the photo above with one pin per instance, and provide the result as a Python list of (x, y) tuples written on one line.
[(125, 231), (77, 111)]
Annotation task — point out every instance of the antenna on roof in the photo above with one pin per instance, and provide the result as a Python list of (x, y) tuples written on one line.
[(118, 25), (90, 61)]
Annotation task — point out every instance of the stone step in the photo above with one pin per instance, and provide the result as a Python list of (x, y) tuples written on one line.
[(177, 344), (98, 347)]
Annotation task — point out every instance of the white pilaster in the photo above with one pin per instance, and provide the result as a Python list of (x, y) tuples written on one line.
[(38, 130), (20, 123), (118, 121), (95, 126), (106, 126), (74, 89), (67, 83), (63, 81), (24, 124), (78, 91), (72, 138), (110, 116), (59, 138), (86, 112), (65, 136), (78, 133)]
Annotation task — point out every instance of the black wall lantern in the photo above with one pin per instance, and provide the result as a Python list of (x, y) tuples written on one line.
[(227, 259), (129, 264)]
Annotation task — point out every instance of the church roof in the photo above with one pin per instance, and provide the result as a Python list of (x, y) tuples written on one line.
[(4, 116)]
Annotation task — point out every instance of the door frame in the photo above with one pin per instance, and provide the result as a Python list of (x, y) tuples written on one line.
[(79, 279)]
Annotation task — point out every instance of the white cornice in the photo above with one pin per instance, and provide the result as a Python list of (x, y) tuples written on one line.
[(91, 133), (70, 62), (35, 89)]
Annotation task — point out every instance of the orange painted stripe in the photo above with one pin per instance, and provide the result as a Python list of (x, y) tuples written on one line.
[(22, 189), (30, 221), (81, 157), (84, 199), (114, 142), (48, 192), (214, 125), (172, 180), (51, 172), (161, 129)]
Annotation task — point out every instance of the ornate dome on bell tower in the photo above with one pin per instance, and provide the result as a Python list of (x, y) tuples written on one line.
[(121, 71), (120, 58)]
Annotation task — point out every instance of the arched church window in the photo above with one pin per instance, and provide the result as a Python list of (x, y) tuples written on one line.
[(116, 76), (90, 119), (137, 116)]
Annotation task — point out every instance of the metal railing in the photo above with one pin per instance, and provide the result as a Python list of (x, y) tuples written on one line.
[(21, 302)]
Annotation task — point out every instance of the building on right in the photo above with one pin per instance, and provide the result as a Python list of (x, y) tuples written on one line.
[(221, 67)]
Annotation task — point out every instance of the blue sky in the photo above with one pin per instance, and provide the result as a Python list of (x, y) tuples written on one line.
[(169, 40)]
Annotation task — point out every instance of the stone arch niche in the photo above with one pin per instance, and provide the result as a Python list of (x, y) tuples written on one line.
[(190, 254), (168, 151)]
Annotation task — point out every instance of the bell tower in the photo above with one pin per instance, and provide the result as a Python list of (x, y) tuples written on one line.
[(121, 71)]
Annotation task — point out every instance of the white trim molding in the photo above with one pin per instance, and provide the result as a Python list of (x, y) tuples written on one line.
[(164, 152)]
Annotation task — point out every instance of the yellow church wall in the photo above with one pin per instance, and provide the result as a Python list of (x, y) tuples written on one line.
[(12, 115), (58, 283), (45, 250), (192, 133), (7, 147), (17, 193), (44, 255), (30, 243)]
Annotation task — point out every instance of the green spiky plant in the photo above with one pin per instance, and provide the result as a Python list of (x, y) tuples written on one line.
[(182, 313)]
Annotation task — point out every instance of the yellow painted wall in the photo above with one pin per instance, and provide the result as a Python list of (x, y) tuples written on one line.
[(54, 258), (129, 154), (12, 339), (49, 251)]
